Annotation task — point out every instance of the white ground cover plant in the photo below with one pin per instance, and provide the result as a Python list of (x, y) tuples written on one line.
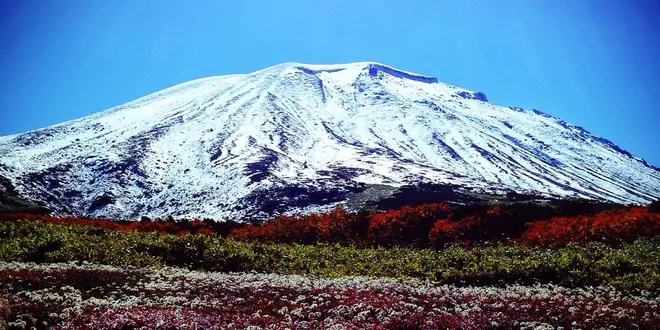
[(78, 296)]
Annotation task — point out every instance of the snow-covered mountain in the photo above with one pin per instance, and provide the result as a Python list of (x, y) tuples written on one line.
[(298, 137)]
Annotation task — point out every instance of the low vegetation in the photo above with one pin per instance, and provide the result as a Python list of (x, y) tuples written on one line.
[(69, 296), (514, 266), (425, 226), (438, 225), (631, 266)]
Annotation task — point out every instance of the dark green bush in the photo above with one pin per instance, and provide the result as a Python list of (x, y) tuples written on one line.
[(655, 206)]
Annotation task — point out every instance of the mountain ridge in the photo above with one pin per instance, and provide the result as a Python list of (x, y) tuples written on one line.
[(299, 133)]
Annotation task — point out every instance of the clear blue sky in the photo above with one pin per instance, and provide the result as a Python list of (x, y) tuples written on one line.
[(593, 63)]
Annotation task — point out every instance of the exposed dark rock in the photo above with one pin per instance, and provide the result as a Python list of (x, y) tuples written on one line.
[(101, 202), (375, 68), (270, 202), (260, 170), (473, 96), (12, 202)]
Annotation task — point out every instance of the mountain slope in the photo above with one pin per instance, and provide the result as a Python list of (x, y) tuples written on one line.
[(298, 137)]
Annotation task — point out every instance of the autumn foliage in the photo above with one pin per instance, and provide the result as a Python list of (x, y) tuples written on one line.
[(144, 225), (428, 225), (492, 223), (437, 225), (407, 226), (613, 226), (335, 226)]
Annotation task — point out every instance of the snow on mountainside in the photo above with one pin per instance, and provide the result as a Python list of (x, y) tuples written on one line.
[(298, 137)]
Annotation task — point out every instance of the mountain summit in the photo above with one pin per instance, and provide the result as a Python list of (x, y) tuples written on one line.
[(298, 137)]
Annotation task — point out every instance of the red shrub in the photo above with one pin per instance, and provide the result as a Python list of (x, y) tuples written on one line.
[(248, 233), (282, 229), (339, 226), (335, 226), (146, 225), (613, 226), (407, 226), (443, 232), (415, 226)]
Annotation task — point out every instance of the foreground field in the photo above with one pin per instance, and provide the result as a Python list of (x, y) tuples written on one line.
[(69, 296), (589, 272)]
